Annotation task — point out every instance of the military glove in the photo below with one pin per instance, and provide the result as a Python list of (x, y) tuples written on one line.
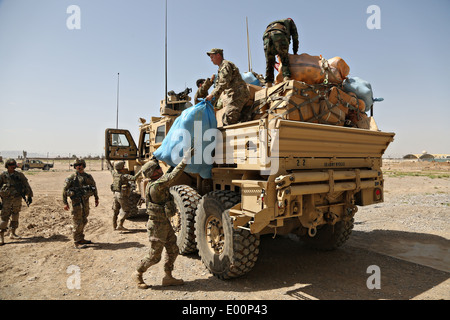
[(188, 154)]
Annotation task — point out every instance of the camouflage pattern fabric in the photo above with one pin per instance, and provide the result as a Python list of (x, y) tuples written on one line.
[(11, 187), (202, 92), (120, 202), (80, 204), (80, 214), (277, 38), (233, 89), (159, 229), (122, 191), (161, 235), (11, 209)]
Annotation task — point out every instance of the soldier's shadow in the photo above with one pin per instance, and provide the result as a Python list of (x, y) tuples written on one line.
[(40, 239), (129, 231), (114, 246)]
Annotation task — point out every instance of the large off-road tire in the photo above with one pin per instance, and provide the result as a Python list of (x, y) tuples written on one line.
[(227, 253), (183, 223), (329, 237)]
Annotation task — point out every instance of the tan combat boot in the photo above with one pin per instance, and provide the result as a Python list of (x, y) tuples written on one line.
[(120, 227), (79, 245), (2, 237), (169, 280), (13, 234), (137, 277)]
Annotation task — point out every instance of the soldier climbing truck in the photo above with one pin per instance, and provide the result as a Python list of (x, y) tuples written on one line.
[(310, 183)]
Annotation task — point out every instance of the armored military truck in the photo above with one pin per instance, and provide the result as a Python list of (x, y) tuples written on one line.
[(271, 175)]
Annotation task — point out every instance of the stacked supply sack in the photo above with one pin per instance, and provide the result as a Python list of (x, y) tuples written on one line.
[(299, 101), (320, 92), (315, 69), (187, 131)]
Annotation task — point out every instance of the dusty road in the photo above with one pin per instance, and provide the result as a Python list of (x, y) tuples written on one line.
[(406, 237)]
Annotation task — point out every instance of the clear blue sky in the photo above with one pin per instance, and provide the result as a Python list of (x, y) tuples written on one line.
[(58, 86)]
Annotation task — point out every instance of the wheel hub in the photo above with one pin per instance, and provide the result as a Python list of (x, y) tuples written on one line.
[(215, 235)]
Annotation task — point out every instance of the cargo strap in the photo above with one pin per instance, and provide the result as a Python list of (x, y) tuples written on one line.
[(348, 105), (295, 107), (316, 116)]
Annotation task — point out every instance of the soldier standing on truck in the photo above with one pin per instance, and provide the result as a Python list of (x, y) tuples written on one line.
[(13, 187), (79, 186), (203, 87), (160, 208), (277, 38), (122, 189), (229, 82)]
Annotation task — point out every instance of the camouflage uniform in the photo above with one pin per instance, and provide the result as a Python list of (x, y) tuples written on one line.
[(202, 92), (235, 92), (122, 191), (79, 187), (161, 207), (13, 187), (277, 38)]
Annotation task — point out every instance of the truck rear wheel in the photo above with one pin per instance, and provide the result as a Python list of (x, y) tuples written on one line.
[(329, 237), (226, 252), (183, 222)]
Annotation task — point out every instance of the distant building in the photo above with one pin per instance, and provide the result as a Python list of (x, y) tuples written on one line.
[(428, 156)]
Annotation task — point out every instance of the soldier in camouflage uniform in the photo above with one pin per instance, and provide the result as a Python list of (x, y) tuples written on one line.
[(13, 187), (277, 38), (230, 83), (79, 186), (160, 207), (122, 190), (203, 87)]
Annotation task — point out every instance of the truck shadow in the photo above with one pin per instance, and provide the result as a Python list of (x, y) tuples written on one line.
[(296, 272)]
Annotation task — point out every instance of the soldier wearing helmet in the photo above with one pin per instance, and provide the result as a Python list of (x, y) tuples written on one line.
[(160, 208), (13, 187), (79, 186), (122, 188)]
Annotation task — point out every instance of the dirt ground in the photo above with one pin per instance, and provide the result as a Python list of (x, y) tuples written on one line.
[(406, 237)]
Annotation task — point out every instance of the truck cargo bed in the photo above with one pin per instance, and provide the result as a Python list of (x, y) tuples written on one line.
[(286, 139)]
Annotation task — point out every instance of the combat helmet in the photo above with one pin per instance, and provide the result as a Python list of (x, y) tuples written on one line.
[(150, 167), (78, 162), (10, 162), (119, 165)]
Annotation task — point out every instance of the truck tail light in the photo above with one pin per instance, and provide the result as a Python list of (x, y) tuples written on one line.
[(377, 194)]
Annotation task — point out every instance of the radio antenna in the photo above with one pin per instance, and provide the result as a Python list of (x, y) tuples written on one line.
[(166, 56), (248, 49), (117, 111)]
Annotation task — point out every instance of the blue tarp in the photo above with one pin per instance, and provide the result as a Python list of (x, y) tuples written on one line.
[(188, 131), (250, 78), (362, 89)]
